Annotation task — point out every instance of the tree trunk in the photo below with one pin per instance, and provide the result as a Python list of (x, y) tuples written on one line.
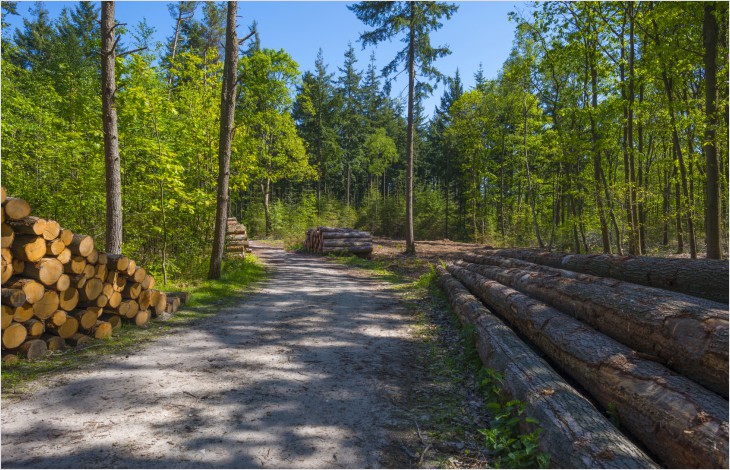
[(713, 216), (410, 239), (668, 88), (111, 137), (228, 109), (575, 434), (698, 278), (680, 421), (687, 333)]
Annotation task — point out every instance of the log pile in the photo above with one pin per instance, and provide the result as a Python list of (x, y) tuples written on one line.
[(58, 290), (655, 359), (236, 238), (326, 240)]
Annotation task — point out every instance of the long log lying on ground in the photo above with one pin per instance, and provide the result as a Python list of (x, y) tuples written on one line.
[(701, 278), (680, 421), (326, 234), (687, 333), (575, 433)]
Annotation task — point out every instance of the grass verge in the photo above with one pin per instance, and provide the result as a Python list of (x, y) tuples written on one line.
[(206, 298)]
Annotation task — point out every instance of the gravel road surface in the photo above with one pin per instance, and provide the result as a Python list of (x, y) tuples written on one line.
[(301, 374)]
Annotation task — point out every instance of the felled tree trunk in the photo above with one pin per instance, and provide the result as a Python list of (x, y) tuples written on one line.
[(687, 333), (575, 433), (701, 278), (680, 421)]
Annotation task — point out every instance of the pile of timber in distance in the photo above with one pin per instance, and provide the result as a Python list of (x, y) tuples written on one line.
[(326, 240), (236, 238), (656, 358), (59, 291)]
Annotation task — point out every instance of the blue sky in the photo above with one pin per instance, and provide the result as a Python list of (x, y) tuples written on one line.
[(479, 32)]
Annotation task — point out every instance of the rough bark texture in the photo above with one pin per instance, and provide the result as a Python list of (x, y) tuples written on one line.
[(228, 110), (679, 420), (111, 136), (701, 278), (688, 334), (575, 433)]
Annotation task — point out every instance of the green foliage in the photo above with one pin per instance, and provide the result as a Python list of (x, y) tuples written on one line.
[(511, 446)]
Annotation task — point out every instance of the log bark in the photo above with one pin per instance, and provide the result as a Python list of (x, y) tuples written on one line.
[(13, 297), (33, 290), (687, 333), (14, 335), (700, 278), (45, 270), (8, 235), (16, 208), (28, 248), (28, 226), (351, 249), (677, 419), (79, 340), (346, 242), (32, 349), (81, 245), (329, 234), (47, 305), (575, 433)]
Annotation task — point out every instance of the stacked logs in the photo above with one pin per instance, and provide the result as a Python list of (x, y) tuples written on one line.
[(58, 290), (326, 240), (236, 238), (655, 359)]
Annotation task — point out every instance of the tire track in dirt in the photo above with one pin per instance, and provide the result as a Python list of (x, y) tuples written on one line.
[(301, 374)]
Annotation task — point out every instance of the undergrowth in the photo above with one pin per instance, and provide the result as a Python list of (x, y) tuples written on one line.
[(206, 298)]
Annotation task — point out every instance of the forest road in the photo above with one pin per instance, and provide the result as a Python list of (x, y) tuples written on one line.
[(305, 373)]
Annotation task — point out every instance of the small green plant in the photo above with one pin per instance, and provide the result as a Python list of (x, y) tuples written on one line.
[(612, 413), (511, 447)]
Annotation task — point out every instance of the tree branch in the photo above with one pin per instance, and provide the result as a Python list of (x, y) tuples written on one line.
[(247, 37), (132, 51)]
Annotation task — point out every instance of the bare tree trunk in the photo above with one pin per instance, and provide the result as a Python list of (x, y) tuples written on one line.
[(266, 192), (713, 234), (228, 108), (111, 137), (410, 238)]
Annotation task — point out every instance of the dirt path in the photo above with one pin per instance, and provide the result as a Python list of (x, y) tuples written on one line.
[(301, 374)]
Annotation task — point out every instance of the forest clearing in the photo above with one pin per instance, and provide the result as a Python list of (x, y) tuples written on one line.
[(219, 250)]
